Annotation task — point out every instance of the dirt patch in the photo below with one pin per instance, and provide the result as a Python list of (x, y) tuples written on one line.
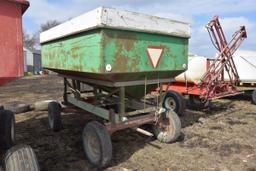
[(195, 141), (235, 121), (224, 139), (230, 149), (216, 127)]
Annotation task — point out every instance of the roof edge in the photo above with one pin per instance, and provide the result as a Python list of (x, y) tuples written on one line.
[(24, 4)]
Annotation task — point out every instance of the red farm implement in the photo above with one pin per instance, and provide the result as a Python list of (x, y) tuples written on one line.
[(212, 84)]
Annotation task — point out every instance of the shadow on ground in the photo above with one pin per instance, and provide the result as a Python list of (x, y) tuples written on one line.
[(63, 150)]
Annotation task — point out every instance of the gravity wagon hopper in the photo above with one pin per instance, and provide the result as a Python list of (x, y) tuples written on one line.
[(122, 56)]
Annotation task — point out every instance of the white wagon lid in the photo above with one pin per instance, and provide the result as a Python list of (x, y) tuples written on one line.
[(104, 17)]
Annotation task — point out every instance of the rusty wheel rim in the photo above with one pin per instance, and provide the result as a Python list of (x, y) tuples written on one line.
[(94, 145), (163, 124), (170, 103)]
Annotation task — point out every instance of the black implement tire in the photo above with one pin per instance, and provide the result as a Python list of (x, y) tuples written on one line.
[(196, 103), (254, 97), (21, 158), (54, 116), (167, 130), (7, 129), (97, 144), (175, 101)]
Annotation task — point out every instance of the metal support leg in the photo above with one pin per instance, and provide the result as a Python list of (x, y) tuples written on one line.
[(96, 93), (161, 93), (65, 90), (76, 88), (122, 102), (78, 85), (112, 118)]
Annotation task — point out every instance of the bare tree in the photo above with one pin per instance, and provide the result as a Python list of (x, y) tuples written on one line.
[(29, 41), (49, 24)]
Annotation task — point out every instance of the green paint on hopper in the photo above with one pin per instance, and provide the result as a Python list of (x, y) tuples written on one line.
[(89, 52), (80, 53)]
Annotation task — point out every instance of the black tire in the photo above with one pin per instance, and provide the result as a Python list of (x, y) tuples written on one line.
[(21, 158), (54, 116), (97, 144), (167, 130), (7, 129), (196, 103), (175, 101), (254, 97)]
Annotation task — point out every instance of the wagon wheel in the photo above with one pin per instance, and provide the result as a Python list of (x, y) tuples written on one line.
[(167, 129), (7, 129), (254, 97), (21, 158), (198, 103), (175, 101), (54, 116), (97, 144)]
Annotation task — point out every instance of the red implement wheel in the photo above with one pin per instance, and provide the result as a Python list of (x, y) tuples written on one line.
[(175, 101)]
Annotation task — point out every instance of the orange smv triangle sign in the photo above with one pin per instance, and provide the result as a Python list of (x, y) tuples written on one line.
[(154, 55)]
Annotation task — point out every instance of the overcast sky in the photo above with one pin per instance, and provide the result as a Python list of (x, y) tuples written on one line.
[(232, 13)]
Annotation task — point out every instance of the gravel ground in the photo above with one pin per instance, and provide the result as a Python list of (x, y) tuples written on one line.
[(221, 137)]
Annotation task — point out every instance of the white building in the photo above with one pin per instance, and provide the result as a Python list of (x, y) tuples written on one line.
[(32, 60)]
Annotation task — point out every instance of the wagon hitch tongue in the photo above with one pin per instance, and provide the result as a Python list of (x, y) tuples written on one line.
[(143, 131)]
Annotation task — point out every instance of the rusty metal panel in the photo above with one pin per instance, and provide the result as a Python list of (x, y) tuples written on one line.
[(11, 50), (80, 53), (124, 52)]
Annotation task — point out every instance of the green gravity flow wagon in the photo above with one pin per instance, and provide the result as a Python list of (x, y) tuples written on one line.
[(111, 60)]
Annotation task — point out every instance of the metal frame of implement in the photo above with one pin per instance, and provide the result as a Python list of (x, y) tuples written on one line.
[(212, 84), (110, 105)]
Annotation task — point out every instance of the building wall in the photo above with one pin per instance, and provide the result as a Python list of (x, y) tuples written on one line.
[(11, 49), (37, 62), (25, 61), (32, 61), (28, 61)]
